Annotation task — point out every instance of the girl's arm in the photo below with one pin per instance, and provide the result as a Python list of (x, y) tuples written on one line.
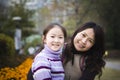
[(41, 69)]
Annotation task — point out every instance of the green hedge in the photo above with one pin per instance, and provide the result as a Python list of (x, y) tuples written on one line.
[(6, 45)]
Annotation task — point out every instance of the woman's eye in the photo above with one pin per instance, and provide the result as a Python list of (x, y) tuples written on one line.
[(91, 41), (83, 35)]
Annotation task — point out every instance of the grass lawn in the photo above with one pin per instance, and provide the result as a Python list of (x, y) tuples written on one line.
[(110, 74)]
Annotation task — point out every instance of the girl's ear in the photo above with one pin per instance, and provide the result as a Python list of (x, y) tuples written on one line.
[(43, 38)]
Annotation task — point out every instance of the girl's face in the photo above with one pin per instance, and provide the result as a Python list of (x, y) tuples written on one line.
[(54, 38), (84, 40)]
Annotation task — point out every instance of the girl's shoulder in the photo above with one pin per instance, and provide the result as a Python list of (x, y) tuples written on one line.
[(40, 57)]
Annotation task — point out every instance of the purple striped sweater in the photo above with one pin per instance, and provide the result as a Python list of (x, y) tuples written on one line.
[(47, 65)]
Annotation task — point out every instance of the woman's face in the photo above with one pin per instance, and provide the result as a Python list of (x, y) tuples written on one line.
[(84, 40)]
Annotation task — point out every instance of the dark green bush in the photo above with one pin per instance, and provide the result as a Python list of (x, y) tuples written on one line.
[(6, 45)]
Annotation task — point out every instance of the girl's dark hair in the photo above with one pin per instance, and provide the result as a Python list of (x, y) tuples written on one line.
[(94, 56), (52, 25)]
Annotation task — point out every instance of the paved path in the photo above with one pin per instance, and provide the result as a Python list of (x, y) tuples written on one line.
[(113, 64)]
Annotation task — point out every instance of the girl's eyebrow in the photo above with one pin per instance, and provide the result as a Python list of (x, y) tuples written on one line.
[(58, 35)]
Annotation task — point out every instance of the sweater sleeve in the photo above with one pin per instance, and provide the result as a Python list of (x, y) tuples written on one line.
[(41, 69)]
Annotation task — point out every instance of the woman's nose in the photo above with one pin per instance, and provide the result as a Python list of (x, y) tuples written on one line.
[(84, 40)]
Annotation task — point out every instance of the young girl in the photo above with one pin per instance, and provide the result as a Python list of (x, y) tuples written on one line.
[(83, 56), (47, 64)]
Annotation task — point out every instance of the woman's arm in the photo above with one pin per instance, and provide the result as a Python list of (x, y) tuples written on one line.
[(87, 75)]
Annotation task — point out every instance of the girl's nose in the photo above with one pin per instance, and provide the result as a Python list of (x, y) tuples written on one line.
[(56, 39)]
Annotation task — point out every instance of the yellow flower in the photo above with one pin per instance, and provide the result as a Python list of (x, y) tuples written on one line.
[(17, 73)]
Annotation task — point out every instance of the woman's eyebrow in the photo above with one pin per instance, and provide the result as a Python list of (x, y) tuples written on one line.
[(88, 36)]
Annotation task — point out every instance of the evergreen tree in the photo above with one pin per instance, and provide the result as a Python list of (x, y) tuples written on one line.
[(25, 23)]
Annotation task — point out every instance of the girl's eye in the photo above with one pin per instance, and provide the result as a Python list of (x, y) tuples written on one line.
[(52, 36), (61, 37)]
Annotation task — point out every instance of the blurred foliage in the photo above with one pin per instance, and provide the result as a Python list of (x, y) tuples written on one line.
[(45, 11), (6, 45), (109, 11), (69, 25), (8, 25), (34, 43)]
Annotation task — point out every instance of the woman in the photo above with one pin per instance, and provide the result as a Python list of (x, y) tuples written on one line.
[(83, 56)]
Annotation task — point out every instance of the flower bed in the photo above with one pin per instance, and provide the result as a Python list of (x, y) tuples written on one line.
[(17, 73)]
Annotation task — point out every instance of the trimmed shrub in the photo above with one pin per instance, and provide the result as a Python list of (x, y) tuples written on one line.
[(6, 45)]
